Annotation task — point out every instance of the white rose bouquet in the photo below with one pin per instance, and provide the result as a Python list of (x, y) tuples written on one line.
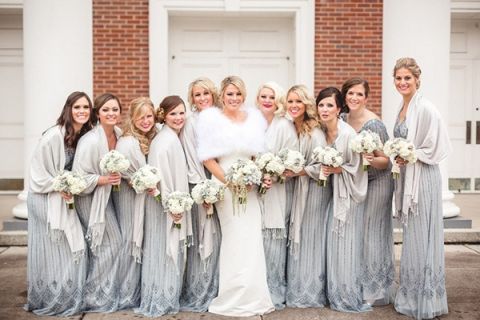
[(271, 167), (178, 202), (366, 142), (239, 176), (401, 148), (114, 162), (292, 160), (209, 192), (71, 183), (327, 156), (147, 177)]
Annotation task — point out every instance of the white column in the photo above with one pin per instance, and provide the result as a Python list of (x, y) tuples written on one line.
[(419, 29), (58, 59)]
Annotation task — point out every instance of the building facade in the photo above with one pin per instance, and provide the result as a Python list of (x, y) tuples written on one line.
[(154, 48)]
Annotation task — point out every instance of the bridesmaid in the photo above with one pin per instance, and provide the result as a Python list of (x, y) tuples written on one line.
[(275, 207), (201, 274), (57, 259), (164, 244), (95, 207), (345, 218), (134, 144), (418, 195), (306, 266), (379, 269)]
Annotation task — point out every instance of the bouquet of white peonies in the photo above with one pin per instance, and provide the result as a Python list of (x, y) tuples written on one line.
[(401, 148), (292, 160), (239, 176), (114, 162), (327, 156), (210, 192), (271, 167), (147, 177), (366, 142), (178, 202), (71, 183)]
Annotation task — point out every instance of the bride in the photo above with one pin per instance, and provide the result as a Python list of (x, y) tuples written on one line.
[(224, 136)]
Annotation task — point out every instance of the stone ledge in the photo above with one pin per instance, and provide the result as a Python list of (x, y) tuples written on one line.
[(450, 236), (13, 238)]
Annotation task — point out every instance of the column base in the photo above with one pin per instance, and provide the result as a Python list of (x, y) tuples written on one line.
[(450, 209), (20, 210)]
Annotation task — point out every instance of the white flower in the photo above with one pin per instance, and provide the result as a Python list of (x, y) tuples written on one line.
[(292, 160), (69, 182), (402, 148), (366, 142), (208, 191), (114, 161), (241, 174), (178, 202), (147, 177), (327, 156)]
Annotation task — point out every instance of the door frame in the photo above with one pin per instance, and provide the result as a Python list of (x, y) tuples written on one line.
[(303, 12)]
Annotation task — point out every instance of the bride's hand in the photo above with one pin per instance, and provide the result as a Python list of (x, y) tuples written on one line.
[(176, 217)]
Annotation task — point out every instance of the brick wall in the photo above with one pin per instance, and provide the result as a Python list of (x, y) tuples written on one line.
[(348, 43), (120, 48)]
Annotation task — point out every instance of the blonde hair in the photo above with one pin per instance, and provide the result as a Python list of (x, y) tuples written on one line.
[(279, 96), (138, 108), (206, 84), (411, 65), (237, 82), (310, 117)]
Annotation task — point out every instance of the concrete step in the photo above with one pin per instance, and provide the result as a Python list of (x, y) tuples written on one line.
[(458, 222), (13, 238)]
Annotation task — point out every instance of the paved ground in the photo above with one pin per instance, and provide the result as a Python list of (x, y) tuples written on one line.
[(463, 289)]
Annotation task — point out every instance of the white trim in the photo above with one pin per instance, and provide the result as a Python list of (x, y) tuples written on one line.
[(160, 10), (457, 6), (11, 4)]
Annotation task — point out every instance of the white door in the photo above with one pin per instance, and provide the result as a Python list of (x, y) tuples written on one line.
[(11, 93), (464, 118), (256, 49)]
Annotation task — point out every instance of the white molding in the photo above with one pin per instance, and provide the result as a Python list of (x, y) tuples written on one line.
[(160, 11), (464, 6), (11, 4)]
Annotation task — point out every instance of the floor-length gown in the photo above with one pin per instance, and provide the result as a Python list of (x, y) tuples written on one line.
[(421, 293), (243, 289)]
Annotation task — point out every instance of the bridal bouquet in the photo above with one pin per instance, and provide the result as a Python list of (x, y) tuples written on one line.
[(178, 202), (292, 160), (327, 156), (401, 148), (271, 166), (208, 191), (114, 162), (366, 142), (71, 183), (239, 176), (147, 177)]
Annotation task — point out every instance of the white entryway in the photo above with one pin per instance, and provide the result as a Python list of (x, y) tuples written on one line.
[(258, 49), (11, 93), (464, 116)]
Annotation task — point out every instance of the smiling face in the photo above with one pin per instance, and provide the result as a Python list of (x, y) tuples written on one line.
[(202, 98), (232, 98), (295, 106), (175, 119), (145, 121), (266, 101), (405, 82), (356, 98), (328, 110), (109, 113), (80, 111)]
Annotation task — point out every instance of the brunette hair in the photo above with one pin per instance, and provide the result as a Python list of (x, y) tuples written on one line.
[(347, 85), (168, 104), (138, 108), (310, 117), (66, 119), (104, 98), (206, 84)]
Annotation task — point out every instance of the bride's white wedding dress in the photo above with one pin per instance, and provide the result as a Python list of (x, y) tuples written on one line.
[(243, 289)]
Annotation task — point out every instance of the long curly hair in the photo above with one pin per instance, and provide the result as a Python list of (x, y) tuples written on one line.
[(138, 108), (66, 119), (310, 117)]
